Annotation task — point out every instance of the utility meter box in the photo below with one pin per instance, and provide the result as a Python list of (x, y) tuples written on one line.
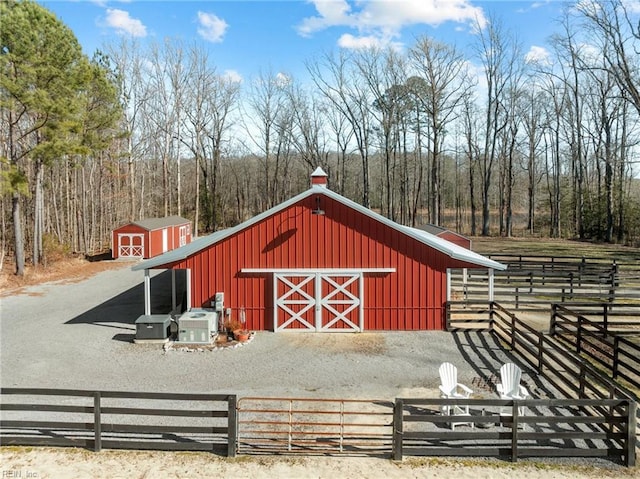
[(218, 302)]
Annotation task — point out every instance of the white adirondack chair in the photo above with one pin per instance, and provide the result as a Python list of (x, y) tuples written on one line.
[(510, 387), (450, 388)]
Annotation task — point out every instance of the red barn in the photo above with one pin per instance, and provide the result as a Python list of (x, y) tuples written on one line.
[(449, 235), (321, 262), (150, 237)]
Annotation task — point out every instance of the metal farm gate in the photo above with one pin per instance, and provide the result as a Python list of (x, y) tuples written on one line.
[(314, 426)]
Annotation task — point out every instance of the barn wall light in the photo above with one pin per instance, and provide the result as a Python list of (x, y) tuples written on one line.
[(318, 210)]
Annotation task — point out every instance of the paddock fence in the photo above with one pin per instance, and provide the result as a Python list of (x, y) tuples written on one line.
[(330, 427), (118, 420), (547, 428), (615, 351), (531, 283), (563, 369)]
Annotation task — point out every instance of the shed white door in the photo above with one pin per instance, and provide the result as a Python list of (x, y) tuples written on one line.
[(165, 240), (318, 301), (183, 235), (130, 245)]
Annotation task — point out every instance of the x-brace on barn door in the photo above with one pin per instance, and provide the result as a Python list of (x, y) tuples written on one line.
[(318, 301)]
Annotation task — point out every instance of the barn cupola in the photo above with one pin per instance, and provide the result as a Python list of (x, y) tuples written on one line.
[(319, 178)]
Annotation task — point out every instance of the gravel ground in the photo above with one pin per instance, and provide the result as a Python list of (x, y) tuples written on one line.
[(80, 335)]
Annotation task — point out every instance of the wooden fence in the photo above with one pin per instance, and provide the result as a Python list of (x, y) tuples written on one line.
[(548, 428), (533, 282), (406, 427), (599, 341), (613, 319), (565, 370), (119, 420)]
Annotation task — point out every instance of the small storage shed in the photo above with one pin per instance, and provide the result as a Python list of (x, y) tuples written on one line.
[(150, 237), (321, 262), (449, 235)]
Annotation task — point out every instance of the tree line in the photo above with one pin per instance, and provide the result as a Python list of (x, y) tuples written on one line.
[(496, 142)]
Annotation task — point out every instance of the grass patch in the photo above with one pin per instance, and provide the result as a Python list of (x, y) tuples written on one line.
[(555, 247)]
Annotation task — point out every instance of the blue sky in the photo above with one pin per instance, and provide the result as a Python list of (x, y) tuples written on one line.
[(245, 37)]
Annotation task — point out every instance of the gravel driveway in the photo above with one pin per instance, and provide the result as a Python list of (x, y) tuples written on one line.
[(80, 335)]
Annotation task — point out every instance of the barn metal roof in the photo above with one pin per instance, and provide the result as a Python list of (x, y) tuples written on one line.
[(157, 223), (450, 249)]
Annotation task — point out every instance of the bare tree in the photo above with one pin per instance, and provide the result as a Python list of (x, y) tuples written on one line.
[(496, 51), (267, 124), (308, 133), (612, 21), (532, 113), (471, 128), (345, 90), (384, 73), (134, 93), (447, 83), (209, 100), (342, 134)]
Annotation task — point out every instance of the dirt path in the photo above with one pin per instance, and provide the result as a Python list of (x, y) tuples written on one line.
[(52, 463)]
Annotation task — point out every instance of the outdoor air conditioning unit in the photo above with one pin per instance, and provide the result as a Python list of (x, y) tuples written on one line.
[(197, 325)]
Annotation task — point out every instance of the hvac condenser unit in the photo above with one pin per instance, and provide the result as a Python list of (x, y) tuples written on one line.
[(196, 326)]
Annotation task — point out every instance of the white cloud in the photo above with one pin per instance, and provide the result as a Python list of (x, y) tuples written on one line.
[(632, 6), (233, 76), (282, 79), (592, 6), (382, 20), (212, 28), (124, 24), (349, 41), (533, 6), (539, 55)]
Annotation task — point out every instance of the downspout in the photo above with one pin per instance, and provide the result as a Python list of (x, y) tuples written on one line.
[(147, 293)]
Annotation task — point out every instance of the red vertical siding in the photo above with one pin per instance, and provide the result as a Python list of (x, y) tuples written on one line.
[(456, 239), (411, 298), (128, 229)]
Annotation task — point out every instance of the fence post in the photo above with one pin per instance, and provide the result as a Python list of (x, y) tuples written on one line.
[(491, 320), (447, 308), (616, 356), (97, 422), (517, 297), (398, 410), (552, 325), (571, 284), (614, 282), (514, 431), (540, 351), (630, 456), (605, 320), (232, 425), (579, 335)]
